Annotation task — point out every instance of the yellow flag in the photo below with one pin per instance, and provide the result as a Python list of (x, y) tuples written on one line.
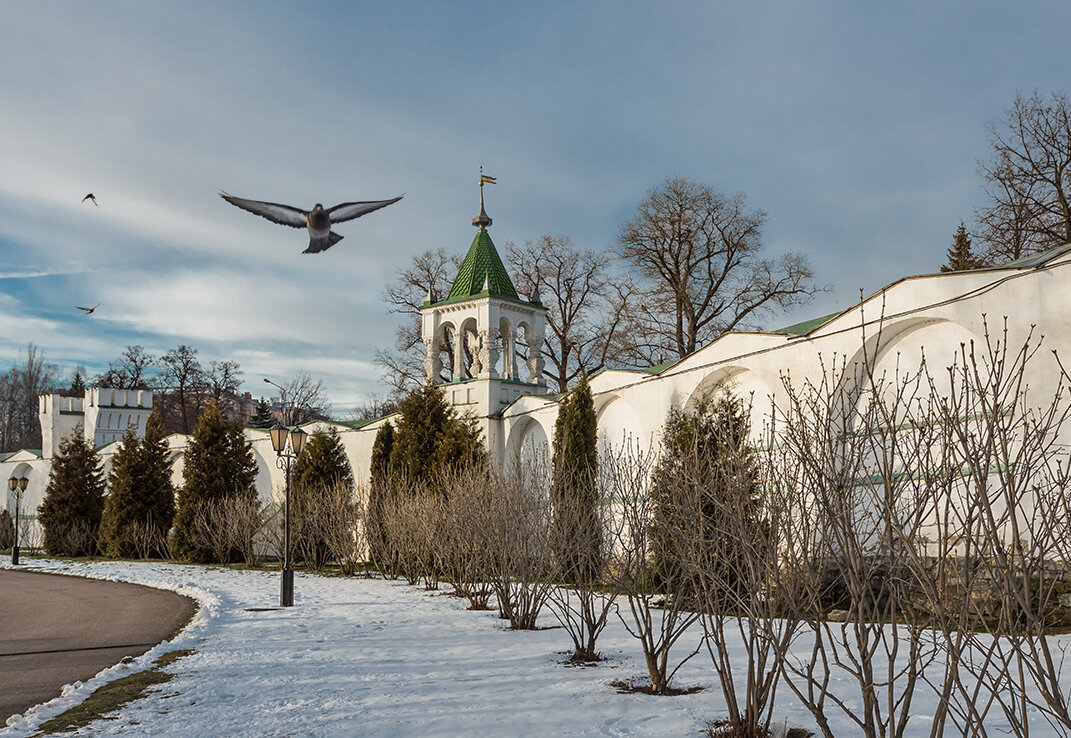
[(486, 179)]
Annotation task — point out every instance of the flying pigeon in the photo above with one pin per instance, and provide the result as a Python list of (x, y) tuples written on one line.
[(90, 197), (317, 220), (89, 311)]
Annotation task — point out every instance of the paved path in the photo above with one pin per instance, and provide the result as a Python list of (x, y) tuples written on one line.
[(56, 629)]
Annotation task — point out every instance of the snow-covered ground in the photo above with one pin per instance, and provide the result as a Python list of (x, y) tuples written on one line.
[(362, 657)]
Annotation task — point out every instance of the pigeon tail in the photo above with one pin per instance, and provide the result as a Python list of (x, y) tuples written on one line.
[(316, 245)]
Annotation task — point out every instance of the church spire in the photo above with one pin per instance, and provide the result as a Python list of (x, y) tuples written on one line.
[(483, 220)]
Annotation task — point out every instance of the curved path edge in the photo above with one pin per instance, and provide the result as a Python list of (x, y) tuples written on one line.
[(57, 629)]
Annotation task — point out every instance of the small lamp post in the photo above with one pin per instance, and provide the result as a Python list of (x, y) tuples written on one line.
[(280, 434), (18, 486)]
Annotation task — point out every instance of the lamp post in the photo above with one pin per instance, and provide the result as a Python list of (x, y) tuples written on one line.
[(280, 434), (18, 486)]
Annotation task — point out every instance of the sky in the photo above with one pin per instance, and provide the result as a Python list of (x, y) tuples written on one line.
[(857, 127)]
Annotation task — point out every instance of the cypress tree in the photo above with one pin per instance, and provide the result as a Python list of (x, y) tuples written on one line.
[(575, 492), (379, 490), (74, 499), (219, 465), (140, 490)]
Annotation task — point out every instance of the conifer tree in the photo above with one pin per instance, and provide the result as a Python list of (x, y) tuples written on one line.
[(7, 530), (705, 456), (219, 465), (141, 493), (575, 468), (431, 438), (378, 492), (262, 417), (74, 499), (960, 256)]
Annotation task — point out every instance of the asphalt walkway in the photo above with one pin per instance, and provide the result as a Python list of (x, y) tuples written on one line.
[(57, 629)]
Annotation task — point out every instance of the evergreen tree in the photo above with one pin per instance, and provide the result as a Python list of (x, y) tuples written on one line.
[(379, 490), (7, 530), (262, 417), (219, 465), (960, 256), (322, 464), (141, 493), (78, 382), (575, 467), (706, 464), (431, 438), (74, 499)]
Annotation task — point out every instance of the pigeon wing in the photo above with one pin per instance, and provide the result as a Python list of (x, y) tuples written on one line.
[(281, 214), (351, 210)]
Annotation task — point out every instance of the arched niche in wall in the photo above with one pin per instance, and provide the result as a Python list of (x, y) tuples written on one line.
[(744, 384), (912, 361), (446, 338), (620, 430), (470, 349), (528, 444)]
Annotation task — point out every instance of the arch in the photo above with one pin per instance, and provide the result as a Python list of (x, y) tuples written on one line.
[(619, 428), (744, 384), (505, 342), (469, 354), (912, 359), (528, 444), (446, 343)]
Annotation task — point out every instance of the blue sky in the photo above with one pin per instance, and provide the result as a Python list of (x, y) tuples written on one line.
[(856, 126)]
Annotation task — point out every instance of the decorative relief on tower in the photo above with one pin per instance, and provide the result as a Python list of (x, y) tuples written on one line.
[(535, 360), (491, 339), (479, 353)]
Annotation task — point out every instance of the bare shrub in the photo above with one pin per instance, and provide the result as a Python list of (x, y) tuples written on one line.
[(146, 538), (582, 603), (341, 527), (657, 619), (516, 537), (464, 559), (229, 528), (852, 444), (728, 521)]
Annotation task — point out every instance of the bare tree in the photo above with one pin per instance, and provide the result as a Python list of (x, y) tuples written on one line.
[(19, 389), (132, 370), (429, 273), (588, 307), (303, 400), (183, 381), (1028, 179), (376, 407), (223, 378), (698, 252), (465, 562)]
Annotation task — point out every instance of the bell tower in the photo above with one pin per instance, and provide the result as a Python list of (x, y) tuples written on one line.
[(484, 341)]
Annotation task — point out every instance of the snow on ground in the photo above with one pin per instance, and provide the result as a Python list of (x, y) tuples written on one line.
[(376, 657)]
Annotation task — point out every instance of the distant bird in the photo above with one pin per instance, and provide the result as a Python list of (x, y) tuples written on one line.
[(89, 311), (90, 197), (317, 220)]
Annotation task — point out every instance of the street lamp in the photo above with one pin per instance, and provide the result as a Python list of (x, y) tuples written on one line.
[(18, 486), (285, 457)]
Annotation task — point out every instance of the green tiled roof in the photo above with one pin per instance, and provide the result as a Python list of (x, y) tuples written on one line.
[(800, 329), (482, 263)]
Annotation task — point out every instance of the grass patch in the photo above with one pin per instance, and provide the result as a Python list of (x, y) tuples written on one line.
[(113, 695)]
